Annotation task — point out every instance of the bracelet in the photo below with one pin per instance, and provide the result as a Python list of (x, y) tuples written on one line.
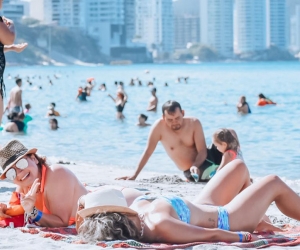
[(38, 217), (33, 213), (240, 234)]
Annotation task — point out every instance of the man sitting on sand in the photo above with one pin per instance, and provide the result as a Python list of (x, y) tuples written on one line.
[(183, 140)]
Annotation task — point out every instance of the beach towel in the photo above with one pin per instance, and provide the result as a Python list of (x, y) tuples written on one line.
[(290, 237)]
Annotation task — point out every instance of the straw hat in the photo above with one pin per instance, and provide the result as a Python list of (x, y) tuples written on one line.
[(102, 201), (11, 153)]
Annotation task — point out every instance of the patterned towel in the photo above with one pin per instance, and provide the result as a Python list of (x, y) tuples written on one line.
[(290, 237)]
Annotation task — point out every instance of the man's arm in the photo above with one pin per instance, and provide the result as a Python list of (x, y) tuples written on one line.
[(200, 143), (153, 139), (243, 109)]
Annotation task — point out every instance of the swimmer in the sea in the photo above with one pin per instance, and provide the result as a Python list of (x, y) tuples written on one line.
[(142, 121)]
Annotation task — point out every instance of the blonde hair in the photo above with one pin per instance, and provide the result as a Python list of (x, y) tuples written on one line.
[(107, 227), (226, 135)]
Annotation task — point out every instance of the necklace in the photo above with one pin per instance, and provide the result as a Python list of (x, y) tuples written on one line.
[(142, 220)]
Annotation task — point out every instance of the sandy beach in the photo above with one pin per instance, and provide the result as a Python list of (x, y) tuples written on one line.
[(94, 176)]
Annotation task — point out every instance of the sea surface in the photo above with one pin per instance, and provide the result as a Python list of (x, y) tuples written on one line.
[(90, 134)]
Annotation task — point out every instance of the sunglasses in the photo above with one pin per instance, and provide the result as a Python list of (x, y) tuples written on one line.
[(21, 164)]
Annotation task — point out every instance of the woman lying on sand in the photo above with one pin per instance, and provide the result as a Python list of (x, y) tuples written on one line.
[(178, 221), (49, 193), (55, 184)]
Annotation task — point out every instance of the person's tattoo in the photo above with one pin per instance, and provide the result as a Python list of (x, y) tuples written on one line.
[(212, 221)]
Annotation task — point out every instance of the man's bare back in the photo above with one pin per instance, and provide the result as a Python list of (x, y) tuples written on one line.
[(15, 97)]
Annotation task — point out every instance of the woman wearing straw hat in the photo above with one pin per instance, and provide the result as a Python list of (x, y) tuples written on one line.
[(178, 221), (49, 194)]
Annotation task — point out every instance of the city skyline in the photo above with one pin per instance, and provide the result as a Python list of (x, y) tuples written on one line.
[(228, 27)]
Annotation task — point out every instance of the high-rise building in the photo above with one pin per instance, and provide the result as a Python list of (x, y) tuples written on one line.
[(15, 9), (154, 26), (277, 33), (66, 13), (129, 22), (186, 22), (250, 25), (295, 30), (105, 22), (216, 25)]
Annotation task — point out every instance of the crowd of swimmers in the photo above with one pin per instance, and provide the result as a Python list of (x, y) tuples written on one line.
[(18, 117)]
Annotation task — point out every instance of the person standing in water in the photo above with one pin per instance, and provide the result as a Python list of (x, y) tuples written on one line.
[(53, 124), (153, 102), (120, 102), (15, 97), (142, 121), (7, 37), (82, 94), (52, 111), (243, 106)]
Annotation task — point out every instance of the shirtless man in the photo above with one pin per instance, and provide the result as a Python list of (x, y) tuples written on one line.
[(153, 101), (183, 140), (15, 97)]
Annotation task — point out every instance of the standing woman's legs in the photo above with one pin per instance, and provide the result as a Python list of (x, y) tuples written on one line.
[(225, 185), (247, 208)]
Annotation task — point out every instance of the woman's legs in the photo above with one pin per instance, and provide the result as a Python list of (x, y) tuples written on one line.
[(248, 207), (225, 185)]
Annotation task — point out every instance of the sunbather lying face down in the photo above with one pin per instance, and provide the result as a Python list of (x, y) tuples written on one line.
[(176, 220), (49, 194)]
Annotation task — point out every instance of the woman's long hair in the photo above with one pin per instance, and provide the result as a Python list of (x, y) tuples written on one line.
[(107, 227)]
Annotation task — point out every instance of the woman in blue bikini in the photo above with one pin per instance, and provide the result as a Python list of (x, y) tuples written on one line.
[(105, 215)]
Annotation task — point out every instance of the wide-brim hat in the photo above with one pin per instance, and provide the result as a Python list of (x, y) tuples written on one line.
[(11, 153), (102, 201)]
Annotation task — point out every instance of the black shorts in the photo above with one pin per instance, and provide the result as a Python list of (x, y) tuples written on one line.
[(209, 166)]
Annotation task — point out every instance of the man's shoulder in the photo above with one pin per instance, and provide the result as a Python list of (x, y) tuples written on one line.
[(158, 123), (191, 119)]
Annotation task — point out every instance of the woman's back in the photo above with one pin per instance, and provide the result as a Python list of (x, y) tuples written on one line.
[(158, 210)]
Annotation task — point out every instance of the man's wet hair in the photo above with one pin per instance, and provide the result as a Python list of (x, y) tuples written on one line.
[(262, 96), (144, 116), (18, 80), (170, 106)]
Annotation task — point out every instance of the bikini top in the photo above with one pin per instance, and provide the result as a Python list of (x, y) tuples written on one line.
[(236, 155), (176, 202)]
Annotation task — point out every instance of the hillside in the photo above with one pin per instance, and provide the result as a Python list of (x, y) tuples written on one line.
[(67, 46)]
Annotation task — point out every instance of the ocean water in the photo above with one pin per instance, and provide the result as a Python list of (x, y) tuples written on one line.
[(90, 134)]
